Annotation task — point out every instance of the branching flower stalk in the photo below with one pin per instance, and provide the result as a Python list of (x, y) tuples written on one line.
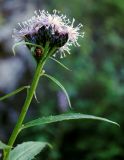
[(45, 35)]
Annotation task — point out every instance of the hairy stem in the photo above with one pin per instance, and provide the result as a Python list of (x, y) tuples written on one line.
[(26, 105)]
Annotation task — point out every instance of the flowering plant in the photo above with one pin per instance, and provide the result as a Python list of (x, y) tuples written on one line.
[(46, 35)]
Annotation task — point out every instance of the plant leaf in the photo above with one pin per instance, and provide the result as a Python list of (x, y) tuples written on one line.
[(61, 64), (4, 146), (27, 150), (64, 117), (35, 96), (14, 92), (60, 85), (24, 43)]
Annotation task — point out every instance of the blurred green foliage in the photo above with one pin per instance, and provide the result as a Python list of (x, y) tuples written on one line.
[(95, 86)]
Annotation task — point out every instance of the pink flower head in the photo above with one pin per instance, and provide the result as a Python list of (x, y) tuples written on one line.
[(54, 28)]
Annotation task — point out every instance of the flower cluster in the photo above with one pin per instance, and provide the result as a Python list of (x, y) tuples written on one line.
[(54, 28)]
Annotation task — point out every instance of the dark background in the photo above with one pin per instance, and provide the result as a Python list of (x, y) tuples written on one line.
[(95, 85)]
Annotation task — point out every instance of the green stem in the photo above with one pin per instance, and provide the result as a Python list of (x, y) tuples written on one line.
[(26, 105)]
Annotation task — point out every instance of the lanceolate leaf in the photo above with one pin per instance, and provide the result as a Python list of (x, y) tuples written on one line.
[(27, 150), (64, 117), (60, 85), (3, 146), (62, 65), (14, 92)]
